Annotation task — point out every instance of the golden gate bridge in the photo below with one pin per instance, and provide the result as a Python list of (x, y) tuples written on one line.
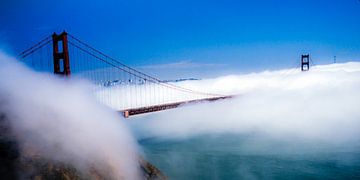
[(116, 85)]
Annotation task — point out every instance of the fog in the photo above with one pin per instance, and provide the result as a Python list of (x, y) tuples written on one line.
[(320, 105), (60, 120)]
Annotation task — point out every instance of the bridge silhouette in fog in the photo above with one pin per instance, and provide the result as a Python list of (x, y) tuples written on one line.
[(116, 85)]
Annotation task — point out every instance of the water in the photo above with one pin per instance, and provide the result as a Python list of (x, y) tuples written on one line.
[(240, 156)]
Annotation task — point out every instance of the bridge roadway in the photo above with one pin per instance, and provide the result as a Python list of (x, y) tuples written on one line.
[(142, 110)]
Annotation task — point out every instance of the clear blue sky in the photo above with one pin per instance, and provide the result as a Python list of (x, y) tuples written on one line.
[(243, 35)]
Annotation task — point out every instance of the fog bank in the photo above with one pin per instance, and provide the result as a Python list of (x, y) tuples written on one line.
[(61, 120), (319, 105)]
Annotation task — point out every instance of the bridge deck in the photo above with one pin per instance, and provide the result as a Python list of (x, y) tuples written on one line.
[(142, 110)]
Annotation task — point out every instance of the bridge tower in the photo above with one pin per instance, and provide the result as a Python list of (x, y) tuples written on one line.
[(61, 54), (305, 59)]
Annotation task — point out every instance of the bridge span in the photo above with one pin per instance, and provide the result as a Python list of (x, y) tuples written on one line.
[(131, 112), (115, 84)]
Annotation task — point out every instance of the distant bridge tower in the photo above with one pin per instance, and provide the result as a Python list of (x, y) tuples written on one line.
[(61, 54), (305, 59)]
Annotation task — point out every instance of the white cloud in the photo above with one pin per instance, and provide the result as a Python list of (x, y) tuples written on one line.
[(181, 65)]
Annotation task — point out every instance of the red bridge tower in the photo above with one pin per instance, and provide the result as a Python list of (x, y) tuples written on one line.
[(61, 55)]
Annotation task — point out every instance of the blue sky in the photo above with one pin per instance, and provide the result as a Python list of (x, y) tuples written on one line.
[(238, 35)]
